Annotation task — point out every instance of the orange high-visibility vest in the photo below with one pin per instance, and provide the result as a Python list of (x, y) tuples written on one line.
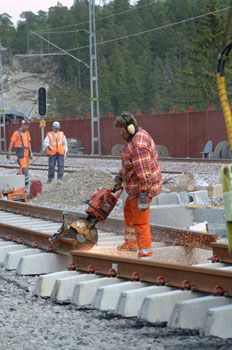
[(56, 142), (21, 139)]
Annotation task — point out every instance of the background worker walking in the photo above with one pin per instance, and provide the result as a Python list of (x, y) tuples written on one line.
[(142, 180), (21, 141), (55, 145)]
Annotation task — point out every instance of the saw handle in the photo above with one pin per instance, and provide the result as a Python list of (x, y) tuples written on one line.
[(119, 192), (119, 189), (101, 212)]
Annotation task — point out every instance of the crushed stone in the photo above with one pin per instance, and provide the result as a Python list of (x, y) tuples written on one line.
[(75, 188), (31, 323)]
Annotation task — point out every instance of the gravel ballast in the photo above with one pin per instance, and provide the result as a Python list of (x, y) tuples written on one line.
[(31, 323)]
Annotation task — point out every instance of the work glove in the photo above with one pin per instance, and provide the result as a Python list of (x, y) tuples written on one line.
[(65, 155), (118, 182), (8, 156), (49, 148), (31, 155), (143, 203)]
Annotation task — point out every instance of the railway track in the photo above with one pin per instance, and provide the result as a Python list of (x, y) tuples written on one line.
[(181, 273), (161, 159), (76, 167), (168, 235), (201, 167), (71, 169)]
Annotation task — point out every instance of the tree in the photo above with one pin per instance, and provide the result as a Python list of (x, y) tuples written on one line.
[(162, 66), (204, 51), (104, 87), (7, 29)]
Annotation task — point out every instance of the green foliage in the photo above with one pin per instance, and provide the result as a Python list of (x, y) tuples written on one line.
[(7, 29), (204, 51), (170, 67), (64, 102)]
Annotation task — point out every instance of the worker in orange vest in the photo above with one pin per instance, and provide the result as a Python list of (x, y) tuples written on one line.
[(21, 141), (55, 146), (141, 177)]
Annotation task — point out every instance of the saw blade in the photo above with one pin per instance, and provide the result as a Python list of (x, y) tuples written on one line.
[(82, 232)]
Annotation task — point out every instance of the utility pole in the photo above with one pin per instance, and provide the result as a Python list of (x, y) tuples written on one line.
[(94, 95), (2, 111)]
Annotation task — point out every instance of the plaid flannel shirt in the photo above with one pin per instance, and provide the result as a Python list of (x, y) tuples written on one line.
[(140, 168)]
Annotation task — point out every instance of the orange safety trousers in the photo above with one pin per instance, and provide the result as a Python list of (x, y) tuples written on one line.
[(23, 166), (24, 162), (137, 226)]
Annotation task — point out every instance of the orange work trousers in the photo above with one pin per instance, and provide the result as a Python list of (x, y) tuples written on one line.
[(137, 225), (23, 166)]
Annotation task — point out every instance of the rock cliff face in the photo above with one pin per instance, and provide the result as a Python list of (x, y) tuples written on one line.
[(20, 90)]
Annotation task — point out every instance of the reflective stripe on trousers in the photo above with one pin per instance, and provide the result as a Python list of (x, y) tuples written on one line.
[(139, 221), (145, 251), (130, 235), (23, 169)]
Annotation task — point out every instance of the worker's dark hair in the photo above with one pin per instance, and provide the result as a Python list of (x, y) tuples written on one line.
[(125, 119)]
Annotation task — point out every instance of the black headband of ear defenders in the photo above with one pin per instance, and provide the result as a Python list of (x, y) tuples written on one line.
[(128, 122)]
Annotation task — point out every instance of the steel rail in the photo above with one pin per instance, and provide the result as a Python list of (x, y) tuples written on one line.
[(71, 169), (161, 159), (206, 280), (31, 210), (221, 252), (42, 167), (35, 239), (217, 282), (169, 235)]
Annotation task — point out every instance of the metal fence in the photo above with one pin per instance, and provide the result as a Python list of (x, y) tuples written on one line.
[(184, 134)]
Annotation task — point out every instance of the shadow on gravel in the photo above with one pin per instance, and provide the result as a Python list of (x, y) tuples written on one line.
[(107, 315), (196, 345), (15, 283)]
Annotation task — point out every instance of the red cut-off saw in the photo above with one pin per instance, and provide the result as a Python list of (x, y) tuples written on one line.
[(100, 205)]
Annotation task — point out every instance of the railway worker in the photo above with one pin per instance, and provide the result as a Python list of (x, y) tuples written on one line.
[(141, 177), (55, 146), (21, 141)]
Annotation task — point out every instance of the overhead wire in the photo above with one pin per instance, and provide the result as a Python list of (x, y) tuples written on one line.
[(227, 26), (162, 27), (129, 35), (154, 29), (63, 32), (17, 42), (168, 25), (105, 17)]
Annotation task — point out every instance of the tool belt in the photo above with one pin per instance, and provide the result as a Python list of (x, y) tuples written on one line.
[(20, 151)]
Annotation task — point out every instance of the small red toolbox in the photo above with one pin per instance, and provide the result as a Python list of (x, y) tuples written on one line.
[(35, 188)]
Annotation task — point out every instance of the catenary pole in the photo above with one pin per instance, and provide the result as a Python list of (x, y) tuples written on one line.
[(94, 94), (2, 111)]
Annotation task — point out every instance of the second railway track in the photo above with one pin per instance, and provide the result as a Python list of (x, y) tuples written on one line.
[(69, 169)]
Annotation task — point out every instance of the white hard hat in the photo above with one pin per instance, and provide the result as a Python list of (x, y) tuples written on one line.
[(56, 125), (25, 121)]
